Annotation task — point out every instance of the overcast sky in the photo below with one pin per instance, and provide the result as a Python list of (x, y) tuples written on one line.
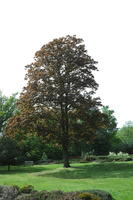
[(105, 25)]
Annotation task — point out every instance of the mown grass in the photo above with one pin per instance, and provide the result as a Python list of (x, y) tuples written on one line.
[(115, 177)]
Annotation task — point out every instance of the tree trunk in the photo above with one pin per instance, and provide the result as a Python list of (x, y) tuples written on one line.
[(66, 156), (65, 135), (8, 167)]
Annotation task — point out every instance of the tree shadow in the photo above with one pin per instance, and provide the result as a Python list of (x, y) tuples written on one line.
[(94, 171), (23, 169)]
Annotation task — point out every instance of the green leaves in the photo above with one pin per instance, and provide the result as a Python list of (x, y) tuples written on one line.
[(7, 109), (8, 151)]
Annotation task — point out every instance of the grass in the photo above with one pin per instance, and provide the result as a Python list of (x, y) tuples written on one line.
[(115, 177)]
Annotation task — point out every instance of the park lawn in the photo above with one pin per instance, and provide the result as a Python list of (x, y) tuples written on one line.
[(114, 177)]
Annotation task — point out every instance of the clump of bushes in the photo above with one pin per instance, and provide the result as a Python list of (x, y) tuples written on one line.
[(119, 156), (28, 193)]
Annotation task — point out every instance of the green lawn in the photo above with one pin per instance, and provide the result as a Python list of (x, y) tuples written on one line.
[(116, 178)]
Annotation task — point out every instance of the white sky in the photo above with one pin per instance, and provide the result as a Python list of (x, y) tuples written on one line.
[(105, 25)]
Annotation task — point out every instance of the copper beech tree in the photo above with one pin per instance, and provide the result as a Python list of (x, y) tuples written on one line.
[(60, 86)]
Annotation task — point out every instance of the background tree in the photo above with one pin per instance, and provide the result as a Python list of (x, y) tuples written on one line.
[(9, 150), (31, 147), (59, 82), (125, 136), (86, 122), (7, 109), (105, 135)]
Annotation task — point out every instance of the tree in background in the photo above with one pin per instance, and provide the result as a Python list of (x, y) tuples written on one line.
[(9, 151), (125, 136), (31, 147), (59, 83), (7, 109), (86, 123), (106, 135), (128, 123)]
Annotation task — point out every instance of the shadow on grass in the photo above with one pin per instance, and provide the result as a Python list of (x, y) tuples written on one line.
[(23, 169), (94, 171)]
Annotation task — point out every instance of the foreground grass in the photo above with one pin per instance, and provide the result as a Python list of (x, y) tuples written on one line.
[(116, 178)]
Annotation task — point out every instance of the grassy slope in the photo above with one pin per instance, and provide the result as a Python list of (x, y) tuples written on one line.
[(117, 178)]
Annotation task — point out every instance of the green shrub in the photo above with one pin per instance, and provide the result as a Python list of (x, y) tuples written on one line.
[(103, 194), (89, 196), (27, 189)]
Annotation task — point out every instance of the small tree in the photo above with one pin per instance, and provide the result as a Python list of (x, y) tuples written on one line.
[(8, 151), (60, 82)]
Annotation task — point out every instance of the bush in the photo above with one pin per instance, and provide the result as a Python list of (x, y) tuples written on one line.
[(118, 156), (96, 194), (53, 195), (80, 196), (28, 193), (27, 189), (89, 196), (104, 195)]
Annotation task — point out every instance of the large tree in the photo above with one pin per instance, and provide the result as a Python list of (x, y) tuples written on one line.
[(60, 82)]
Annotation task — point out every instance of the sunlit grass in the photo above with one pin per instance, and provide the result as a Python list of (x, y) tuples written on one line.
[(115, 177)]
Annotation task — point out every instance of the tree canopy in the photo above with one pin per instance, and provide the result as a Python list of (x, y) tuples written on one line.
[(60, 88)]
